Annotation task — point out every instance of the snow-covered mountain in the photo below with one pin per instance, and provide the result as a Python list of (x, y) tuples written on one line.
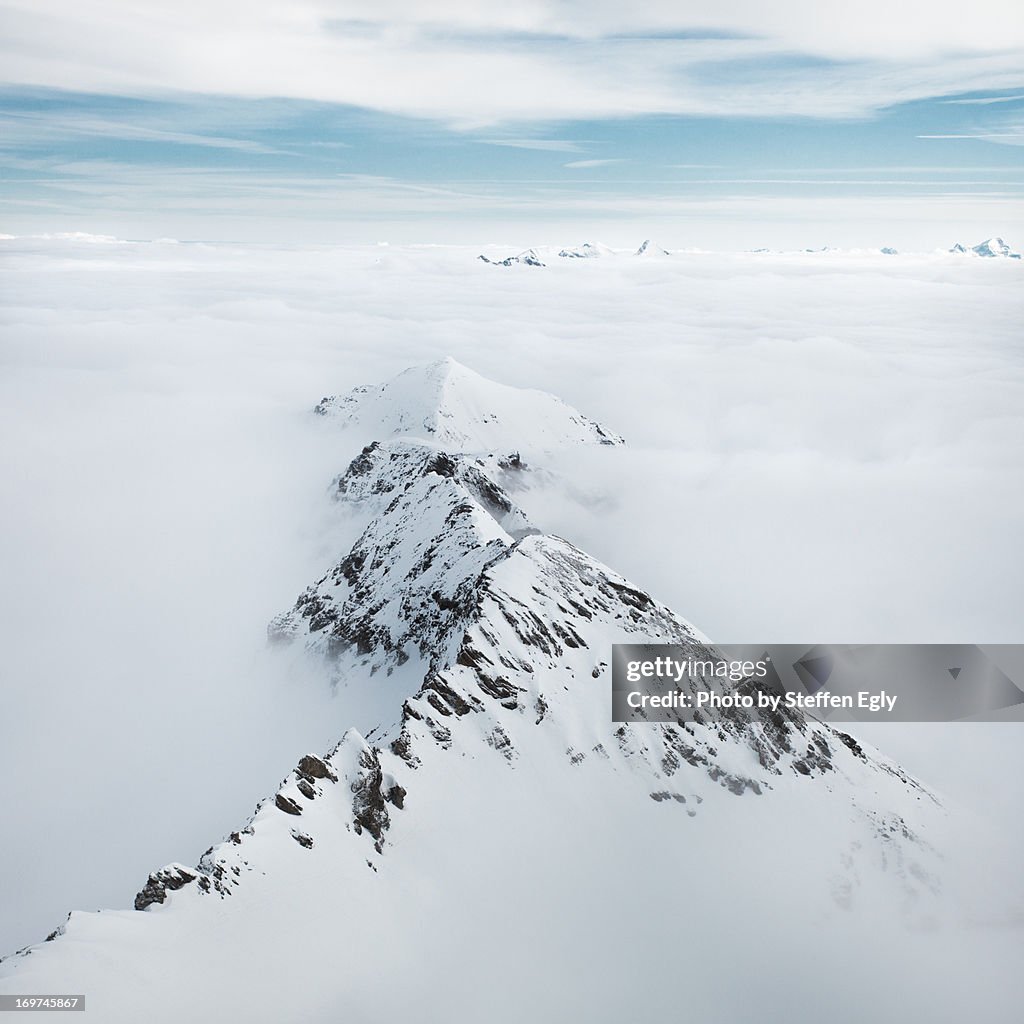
[(989, 248), (459, 410), (483, 835), (649, 248), (586, 251), (529, 258), (542, 256)]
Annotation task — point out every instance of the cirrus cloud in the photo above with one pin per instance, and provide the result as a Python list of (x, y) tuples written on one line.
[(544, 60)]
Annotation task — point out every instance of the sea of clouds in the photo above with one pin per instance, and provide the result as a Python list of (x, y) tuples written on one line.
[(823, 447)]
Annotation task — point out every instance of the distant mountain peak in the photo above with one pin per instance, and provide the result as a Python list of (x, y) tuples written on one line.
[(995, 247), (648, 248), (456, 408), (588, 250), (528, 258), (990, 248)]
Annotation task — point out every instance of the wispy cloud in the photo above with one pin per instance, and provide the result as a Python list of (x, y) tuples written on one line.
[(547, 145), (594, 163), (1007, 135), (16, 128), (986, 100)]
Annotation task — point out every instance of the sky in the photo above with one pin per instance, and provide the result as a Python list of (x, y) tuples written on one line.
[(728, 126)]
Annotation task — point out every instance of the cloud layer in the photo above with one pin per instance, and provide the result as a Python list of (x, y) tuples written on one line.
[(821, 447), (472, 64)]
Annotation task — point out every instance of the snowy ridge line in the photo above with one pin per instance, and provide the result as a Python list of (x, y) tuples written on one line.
[(481, 646), (513, 655)]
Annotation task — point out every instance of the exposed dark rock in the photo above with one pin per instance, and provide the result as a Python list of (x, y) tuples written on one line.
[(529, 259), (734, 783), (435, 687), (168, 879), (368, 803), (315, 768), (631, 596), (351, 566), (359, 467), (540, 705), (287, 804), (215, 875), (471, 658), (501, 690), (499, 740), (401, 746), (488, 494), (443, 465), (850, 742)]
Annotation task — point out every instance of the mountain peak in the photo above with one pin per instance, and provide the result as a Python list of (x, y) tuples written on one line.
[(456, 408), (528, 257), (588, 250), (995, 247), (440, 370), (649, 248), (991, 247)]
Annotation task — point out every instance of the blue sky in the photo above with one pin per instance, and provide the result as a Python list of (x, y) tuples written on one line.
[(334, 121)]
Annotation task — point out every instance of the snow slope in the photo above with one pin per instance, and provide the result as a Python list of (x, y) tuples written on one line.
[(459, 410)]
